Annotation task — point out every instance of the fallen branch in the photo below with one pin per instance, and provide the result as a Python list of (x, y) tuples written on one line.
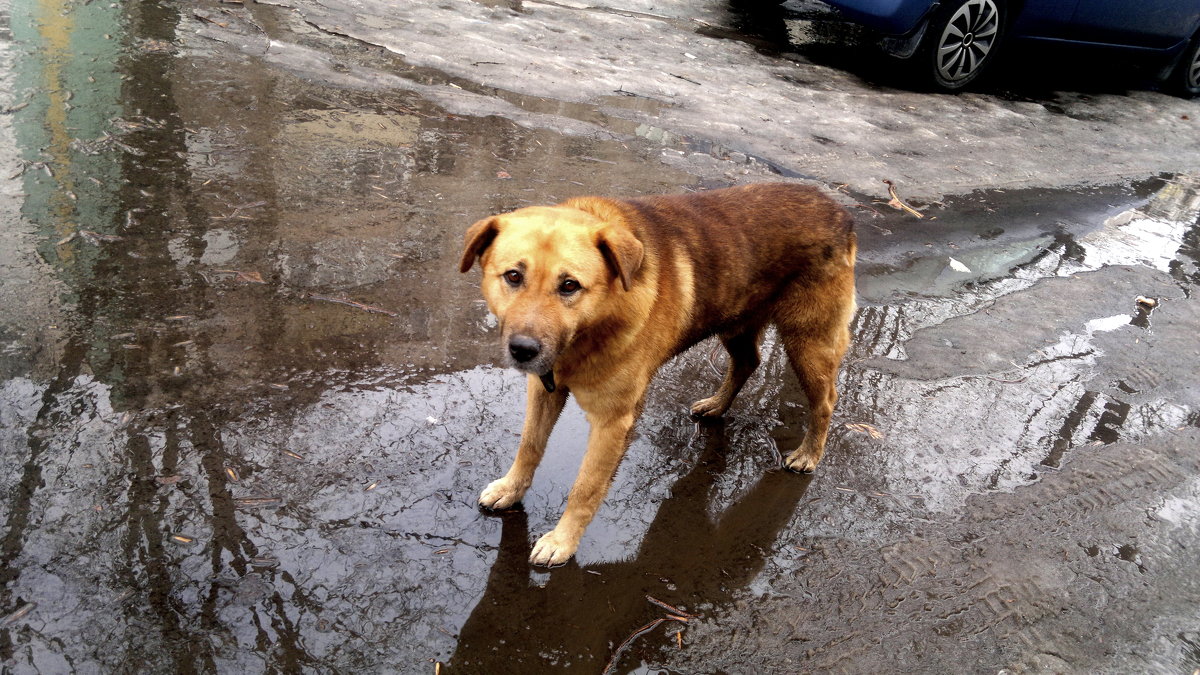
[(352, 303), (612, 662), (676, 614), (669, 608), (897, 203)]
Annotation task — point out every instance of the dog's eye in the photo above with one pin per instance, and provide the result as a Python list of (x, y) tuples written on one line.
[(514, 277), (569, 286)]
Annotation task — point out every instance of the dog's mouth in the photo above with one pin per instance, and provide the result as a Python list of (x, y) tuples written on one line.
[(532, 356), (539, 366), (544, 372)]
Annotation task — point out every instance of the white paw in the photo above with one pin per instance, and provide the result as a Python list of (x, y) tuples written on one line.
[(553, 549), (500, 494), (801, 462)]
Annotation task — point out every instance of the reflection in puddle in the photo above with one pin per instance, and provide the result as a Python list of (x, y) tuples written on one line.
[(922, 347), (245, 408)]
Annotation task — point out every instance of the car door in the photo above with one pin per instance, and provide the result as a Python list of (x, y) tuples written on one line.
[(1044, 18), (1155, 24)]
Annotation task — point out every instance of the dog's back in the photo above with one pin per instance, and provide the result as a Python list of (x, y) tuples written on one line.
[(744, 248)]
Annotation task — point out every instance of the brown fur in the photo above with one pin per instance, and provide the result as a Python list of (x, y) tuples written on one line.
[(659, 274)]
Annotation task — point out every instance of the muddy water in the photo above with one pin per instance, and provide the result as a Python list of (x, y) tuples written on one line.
[(247, 402)]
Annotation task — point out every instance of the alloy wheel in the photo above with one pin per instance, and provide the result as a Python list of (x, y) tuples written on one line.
[(969, 36)]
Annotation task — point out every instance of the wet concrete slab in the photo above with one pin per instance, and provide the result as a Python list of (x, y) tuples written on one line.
[(758, 81), (247, 402)]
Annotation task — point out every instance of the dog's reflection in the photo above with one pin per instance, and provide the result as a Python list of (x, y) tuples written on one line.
[(577, 618)]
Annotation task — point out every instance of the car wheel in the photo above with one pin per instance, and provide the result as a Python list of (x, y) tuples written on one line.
[(1186, 78), (960, 42)]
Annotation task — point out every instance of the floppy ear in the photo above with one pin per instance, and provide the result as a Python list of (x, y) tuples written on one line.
[(479, 237), (622, 251)]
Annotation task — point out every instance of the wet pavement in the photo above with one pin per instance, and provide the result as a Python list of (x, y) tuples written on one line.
[(247, 403)]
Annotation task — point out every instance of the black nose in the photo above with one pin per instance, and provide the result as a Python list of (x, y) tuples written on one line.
[(523, 348)]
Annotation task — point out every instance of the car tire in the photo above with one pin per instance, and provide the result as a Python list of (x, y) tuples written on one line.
[(1185, 79), (960, 43)]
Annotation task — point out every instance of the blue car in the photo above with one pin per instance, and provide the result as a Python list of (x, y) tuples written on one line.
[(951, 42)]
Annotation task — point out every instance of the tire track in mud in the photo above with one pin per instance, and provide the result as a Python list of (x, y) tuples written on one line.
[(1002, 586)]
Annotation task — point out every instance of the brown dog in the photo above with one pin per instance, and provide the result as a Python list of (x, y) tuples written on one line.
[(593, 295)]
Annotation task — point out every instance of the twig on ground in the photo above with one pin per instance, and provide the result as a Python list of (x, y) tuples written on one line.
[(612, 662), (897, 203), (352, 303)]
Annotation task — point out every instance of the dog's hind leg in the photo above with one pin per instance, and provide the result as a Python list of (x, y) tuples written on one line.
[(542, 409), (743, 359), (815, 336), (816, 364)]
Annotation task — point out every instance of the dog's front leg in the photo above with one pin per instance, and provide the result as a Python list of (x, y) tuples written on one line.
[(607, 442), (542, 409)]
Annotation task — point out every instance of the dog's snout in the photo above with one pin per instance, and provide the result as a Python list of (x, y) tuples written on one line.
[(524, 348)]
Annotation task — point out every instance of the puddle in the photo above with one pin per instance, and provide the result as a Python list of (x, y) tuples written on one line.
[(247, 402), (933, 338), (799, 27)]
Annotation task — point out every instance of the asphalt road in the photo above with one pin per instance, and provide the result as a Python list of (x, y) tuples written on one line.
[(247, 402)]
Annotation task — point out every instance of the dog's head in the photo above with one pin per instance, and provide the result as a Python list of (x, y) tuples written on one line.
[(548, 273)]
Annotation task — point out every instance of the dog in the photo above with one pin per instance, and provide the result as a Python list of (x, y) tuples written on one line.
[(593, 295)]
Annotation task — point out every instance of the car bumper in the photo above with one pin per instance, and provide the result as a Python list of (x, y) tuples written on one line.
[(894, 17)]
